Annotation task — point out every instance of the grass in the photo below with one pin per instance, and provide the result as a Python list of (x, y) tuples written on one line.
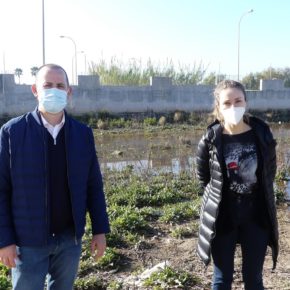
[(137, 205)]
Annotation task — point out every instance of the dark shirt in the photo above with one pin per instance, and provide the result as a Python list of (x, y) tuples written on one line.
[(240, 155), (239, 200), (59, 196)]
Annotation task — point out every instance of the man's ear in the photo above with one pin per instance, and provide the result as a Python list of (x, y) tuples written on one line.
[(69, 92), (34, 90)]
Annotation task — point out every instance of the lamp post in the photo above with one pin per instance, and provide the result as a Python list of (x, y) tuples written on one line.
[(76, 61), (43, 35), (85, 61), (239, 28)]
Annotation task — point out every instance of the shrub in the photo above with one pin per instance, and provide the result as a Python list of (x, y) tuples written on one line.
[(104, 115), (119, 123), (150, 122), (178, 117), (162, 121), (103, 125)]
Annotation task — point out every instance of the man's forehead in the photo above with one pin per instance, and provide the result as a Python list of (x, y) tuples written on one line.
[(46, 72)]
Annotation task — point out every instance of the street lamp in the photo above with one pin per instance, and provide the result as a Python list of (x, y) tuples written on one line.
[(43, 35), (244, 14), (85, 61), (76, 61)]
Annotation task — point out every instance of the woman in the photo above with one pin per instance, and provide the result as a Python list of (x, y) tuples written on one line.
[(236, 166)]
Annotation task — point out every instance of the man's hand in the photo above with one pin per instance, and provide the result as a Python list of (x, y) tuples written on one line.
[(8, 255), (98, 244)]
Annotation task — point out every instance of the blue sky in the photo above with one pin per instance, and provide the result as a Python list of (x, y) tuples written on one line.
[(186, 31)]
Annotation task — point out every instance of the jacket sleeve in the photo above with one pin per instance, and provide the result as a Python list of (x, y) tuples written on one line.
[(7, 232), (96, 203), (271, 158), (202, 163)]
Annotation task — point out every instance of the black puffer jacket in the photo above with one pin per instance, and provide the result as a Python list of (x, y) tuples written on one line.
[(210, 174)]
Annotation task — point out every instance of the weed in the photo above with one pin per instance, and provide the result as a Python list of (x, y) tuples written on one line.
[(4, 270), (110, 260), (114, 285), (89, 282), (169, 278), (129, 221), (180, 212), (5, 284), (186, 231)]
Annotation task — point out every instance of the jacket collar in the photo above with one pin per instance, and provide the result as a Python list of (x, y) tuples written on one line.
[(36, 115), (260, 128)]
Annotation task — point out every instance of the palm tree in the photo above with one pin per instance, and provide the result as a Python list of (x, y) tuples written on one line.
[(18, 72), (34, 70)]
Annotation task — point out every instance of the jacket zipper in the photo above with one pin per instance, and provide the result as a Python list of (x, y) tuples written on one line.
[(46, 182), (217, 211), (70, 195)]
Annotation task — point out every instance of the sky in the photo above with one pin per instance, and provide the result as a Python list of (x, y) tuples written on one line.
[(184, 31)]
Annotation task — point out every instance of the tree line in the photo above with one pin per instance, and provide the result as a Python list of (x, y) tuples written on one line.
[(18, 72), (134, 73)]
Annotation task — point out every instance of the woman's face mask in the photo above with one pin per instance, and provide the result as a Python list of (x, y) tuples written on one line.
[(233, 115), (232, 105)]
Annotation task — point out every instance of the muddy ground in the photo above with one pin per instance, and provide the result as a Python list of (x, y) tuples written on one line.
[(180, 254)]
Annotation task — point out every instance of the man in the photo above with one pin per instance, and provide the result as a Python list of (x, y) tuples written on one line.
[(49, 178)]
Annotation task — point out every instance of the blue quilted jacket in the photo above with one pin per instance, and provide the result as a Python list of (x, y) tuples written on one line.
[(24, 200)]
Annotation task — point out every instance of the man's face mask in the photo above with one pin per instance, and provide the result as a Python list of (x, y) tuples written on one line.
[(52, 100)]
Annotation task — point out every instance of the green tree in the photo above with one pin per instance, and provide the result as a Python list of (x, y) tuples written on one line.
[(34, 70), (18, 72), (210, 79), (251, 82)]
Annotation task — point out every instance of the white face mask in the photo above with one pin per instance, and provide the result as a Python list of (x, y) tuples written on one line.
[(233, 115)]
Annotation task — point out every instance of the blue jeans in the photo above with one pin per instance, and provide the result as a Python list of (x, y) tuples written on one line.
[(58, 261), (253, 239)]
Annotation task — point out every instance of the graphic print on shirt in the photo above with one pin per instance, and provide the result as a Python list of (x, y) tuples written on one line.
[(241, 164)]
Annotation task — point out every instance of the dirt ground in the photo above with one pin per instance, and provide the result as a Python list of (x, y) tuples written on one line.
[(181, 254)]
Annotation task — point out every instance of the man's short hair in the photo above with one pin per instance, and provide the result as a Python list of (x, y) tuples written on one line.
[(53, 66)]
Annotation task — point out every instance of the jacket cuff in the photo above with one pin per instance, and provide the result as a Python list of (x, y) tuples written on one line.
[(7, 239)]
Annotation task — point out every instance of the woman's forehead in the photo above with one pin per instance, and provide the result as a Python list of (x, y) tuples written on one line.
[(231, 93)]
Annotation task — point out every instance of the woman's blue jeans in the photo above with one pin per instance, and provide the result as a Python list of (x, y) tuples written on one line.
[(253, 240), (58, 262)]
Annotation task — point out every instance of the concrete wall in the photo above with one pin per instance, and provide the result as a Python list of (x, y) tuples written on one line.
[(159, 96)]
